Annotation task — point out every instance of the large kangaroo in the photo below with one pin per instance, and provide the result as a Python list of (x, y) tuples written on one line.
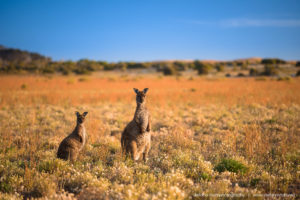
[(70, 147), (136, 137)]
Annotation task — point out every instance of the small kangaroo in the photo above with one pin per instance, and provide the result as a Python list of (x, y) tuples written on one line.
[(70, 147), (136, 137)]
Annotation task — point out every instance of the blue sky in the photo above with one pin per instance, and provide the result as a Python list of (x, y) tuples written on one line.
[(145, 30)]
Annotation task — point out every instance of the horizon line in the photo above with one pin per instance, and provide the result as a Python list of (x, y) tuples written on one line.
[(153, 60)]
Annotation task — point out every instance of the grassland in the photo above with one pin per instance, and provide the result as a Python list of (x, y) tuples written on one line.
[(210, 136)]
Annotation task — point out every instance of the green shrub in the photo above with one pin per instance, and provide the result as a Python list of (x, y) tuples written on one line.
[(231, 166), (121, 65), (253, 72), (6, 184), (11, 175), (66, 72), (262, 78), (180, 66), (83, 79), (109, 66), (241, 75), (43, 186), (194, 167), (48, 70), (244, 66), (220, 68), (202, 68), (50, 166), (270, 70), (74, 182), (285, 78), (272, 61), (133, 65), (254, 182), (169, 70)]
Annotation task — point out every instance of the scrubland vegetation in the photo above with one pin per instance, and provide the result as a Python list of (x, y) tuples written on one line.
[(15, 61), (210, 136)]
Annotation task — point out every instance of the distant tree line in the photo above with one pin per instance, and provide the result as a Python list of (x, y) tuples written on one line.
[(16, 61)]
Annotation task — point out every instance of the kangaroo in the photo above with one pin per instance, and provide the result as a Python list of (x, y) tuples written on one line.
[(70, 147), (136, 137)]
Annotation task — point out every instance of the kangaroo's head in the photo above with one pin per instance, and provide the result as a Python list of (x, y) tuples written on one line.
[(140, 95), (80, 117)]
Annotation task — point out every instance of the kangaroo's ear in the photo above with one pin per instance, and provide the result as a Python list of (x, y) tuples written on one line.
[(77, 113), (145, 90), (136, 90), (85, 113)]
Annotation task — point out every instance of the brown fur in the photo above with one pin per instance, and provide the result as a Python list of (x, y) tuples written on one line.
[(70, 147), (136, 137)]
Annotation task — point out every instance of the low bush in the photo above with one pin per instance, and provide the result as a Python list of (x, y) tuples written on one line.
[(262, 78), (202, 68), (284, 78), (253, 72), (241, 75), (169, 70), (270, 70), (231, 166), (220, 68)]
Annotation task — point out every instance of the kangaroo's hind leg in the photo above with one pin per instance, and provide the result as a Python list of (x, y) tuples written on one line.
[(145, 154), (73, 155), (134, 151)]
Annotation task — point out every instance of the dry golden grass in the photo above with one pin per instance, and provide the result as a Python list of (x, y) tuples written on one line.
[(93, 90), (198, 124)]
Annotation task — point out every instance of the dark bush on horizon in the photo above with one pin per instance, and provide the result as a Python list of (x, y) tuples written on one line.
[(15, 61), (220, 67), (180, 66), (169, 70), (133, 65), (241, 74), (273, 61), (253, 72), (270, 70), (202, 68)]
